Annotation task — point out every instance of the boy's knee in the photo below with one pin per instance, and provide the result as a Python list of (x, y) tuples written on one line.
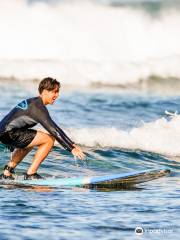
[(51, 139)]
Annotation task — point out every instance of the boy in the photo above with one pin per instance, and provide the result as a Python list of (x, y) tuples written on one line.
[(17, 133)]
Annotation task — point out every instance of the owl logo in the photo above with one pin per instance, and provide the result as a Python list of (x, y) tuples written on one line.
[(139, 231)]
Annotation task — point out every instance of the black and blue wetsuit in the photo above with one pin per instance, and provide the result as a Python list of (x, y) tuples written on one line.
[(15, 128)]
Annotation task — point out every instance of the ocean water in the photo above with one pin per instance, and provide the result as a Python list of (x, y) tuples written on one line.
[(118, 63), (120, 132)]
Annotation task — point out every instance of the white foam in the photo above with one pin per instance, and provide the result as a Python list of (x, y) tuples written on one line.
[(160, 136), (86, 43)]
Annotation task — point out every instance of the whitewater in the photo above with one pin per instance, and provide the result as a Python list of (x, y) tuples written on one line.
[(161, 136), (87, 44)]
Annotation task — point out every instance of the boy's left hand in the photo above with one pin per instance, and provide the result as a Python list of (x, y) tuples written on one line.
[(77, 152)]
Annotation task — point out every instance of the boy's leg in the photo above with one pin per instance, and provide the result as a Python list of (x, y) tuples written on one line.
[(45, 143), (17, 157)]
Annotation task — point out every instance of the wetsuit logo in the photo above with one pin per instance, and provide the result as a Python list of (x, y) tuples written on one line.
[(23, 105)]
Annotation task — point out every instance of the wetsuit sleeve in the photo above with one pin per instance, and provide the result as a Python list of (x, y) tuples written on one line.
[(63, 134), (41, 115)]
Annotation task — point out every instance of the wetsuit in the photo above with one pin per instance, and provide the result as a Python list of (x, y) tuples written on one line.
[(15, 128)]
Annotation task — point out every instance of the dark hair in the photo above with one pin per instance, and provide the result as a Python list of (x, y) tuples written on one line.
[(48, 84)]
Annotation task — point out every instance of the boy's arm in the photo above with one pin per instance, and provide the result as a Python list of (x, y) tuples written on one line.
[(63, 134), (41, 115)]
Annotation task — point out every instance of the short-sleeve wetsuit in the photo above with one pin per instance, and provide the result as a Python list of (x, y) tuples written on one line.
[(15, 127)]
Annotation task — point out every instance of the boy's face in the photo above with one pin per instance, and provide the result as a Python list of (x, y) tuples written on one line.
[(50, 96)]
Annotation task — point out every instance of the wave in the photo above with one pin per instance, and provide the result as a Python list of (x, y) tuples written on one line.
[(161, 136), (92, 73), (85, 43)]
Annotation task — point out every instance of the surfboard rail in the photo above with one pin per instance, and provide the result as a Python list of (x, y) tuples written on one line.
[(104, 181)]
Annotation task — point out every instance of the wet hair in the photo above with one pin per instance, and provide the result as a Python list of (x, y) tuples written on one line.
[(48, 84)]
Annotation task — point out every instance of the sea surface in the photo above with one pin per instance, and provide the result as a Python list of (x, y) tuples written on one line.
[(118, 64)]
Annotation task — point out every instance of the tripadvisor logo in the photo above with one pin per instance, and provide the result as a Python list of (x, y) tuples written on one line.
[(139, 231)]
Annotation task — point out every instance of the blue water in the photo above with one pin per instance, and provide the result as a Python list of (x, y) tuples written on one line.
[(88, 214)]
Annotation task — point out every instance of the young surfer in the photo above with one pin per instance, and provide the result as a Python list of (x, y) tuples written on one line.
[(17, 133)]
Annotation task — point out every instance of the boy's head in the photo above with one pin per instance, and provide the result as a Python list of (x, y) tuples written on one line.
[(48, 84), (49, 90)]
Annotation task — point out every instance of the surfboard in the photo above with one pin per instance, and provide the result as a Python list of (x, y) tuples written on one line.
[(104, 181)]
